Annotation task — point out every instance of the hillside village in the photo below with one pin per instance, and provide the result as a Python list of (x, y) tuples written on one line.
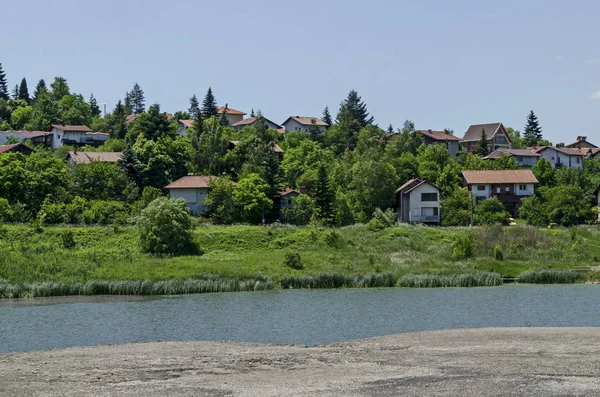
[(235, 166)]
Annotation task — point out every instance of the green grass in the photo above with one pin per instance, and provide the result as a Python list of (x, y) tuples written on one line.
[(475, 279), (550, 276), (241, 252)]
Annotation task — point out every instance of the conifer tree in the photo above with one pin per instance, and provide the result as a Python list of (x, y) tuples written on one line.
[(24, 91), (15, 92), (252, 114), (40, 88), (390, 129), (533, 131), (354, 110), (209, 105), (223, 120), (96, 112), (60, 88), (327, 117), (483, 146), (128, 103), (323, 196), (3, 84), (118, 129), (194, 106), (138, 101)]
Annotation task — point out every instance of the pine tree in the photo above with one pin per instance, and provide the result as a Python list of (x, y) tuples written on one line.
[(252, 114), (533, 131), (209, 105), (223, 120), (327, 117), (354, 110), (15, 92), (3, 85), (60, 88), (323, 196), (96, 112), (138, 101), (118, 129), (194, 106), (24, 91), (128, 103), (196, 138), (40, 88), (483, 146), (390, 129)]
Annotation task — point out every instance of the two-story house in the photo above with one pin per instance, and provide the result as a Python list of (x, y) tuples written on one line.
[(40, 137), (76, 135), (233, 116), (495, 132), (431, 137), (418, 201), (184, 125), (193, 189), (297, 123), (523, 157), (509, 186), (563, 156)]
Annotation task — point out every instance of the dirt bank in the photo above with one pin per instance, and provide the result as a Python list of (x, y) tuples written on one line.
[(481, 362)]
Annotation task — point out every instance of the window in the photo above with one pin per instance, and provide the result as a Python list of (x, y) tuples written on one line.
[(578, 159), (435, 211), (498, 190), (522, 187), (501, 139), (428, 196), (480, 187), (507, 189)]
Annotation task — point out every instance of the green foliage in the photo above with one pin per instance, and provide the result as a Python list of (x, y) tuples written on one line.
[(6, 211), (3, 84), (566, 205), (165, 227), (327, 117), (250, 197), (549, 276), (477, 279), (462, 247), (483, 145), (301, 211), (381, 220), (323, 280), (533, 132), (456, 208), (293, 260), (209, 104), (67, 240), (219, 202), (491, 212), (323, 196)]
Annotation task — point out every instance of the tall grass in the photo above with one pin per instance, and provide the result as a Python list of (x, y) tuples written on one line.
[(190, 285), (550, 276), (326, 280), (476, 279)]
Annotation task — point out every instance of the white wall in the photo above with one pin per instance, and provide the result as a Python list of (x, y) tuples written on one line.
[(526, 161), (194, 198), (481, 193), (16, 134), (182, 129), (553, 156), (292, 125), (416, 204), (234, 118), (529, 189)]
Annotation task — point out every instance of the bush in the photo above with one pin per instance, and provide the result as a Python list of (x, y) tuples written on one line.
[(6, 212), (549, 276), (462, 247), (293, 260), (165, 227), (382, 220), (498, 254), (491, 212), (67, 240), (52, 213), (477, 279), (301, 211)]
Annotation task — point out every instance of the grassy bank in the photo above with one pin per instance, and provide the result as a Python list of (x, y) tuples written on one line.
[(242, 252)]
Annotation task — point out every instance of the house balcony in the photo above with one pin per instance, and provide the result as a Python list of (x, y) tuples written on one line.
[(430, 219)]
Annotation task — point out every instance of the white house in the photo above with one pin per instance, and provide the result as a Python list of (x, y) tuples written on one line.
[(495, 132), (251, 121), (508, 186), (233, 116), (193, 189), (77, 135), (563, 156), (523, 157), (418, 201), (184, 125), (42, 137), (297, 123)]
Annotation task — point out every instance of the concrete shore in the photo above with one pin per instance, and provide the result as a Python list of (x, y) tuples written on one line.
[(464, 362)]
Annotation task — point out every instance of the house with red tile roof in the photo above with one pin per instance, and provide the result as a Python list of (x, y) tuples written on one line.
[(431, 137), (233, 116), (251, 121), (40, 137), (16, 148), (563, 156), (523, 157), (76, 135), (509, 186), (193, 189), (581, 143), (78, 157), (297, 123), (418, 201)]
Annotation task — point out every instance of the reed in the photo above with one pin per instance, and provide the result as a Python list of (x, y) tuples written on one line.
[(332, 280), (550, 276), (475, 279)]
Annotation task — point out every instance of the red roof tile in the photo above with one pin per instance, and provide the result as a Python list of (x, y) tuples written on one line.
[(512, 152), (439, 135), (230, 111), (499, 176), (307, 121), (89, 157), (73, 128)]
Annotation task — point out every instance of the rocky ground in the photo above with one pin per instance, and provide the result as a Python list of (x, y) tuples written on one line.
[(473, 362)]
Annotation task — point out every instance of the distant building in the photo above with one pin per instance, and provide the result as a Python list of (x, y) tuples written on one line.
[(431, 137), (184, 125), (76, 135), (297, 123), (193, 189), (40, 137), (581, 143), (509, 186), (418, 201), (251, 121), (233, 116), (523, 157), (16, 148), (496, 135), (276, 147), (563, 156), (77, 157)]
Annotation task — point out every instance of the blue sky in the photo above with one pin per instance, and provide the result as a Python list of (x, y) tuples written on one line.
[(438, 63)]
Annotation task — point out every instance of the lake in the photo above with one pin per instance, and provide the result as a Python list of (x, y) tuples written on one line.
[(290, 317)]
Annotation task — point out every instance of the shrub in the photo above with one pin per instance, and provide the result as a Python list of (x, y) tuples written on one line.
[(490, 212), (6, 212), (462, 247), (67, 240), (165, 227), (301, 211), (334, 239), (498, 254), (52, 213), (549, 276), (477, 279), (324, 280), (293, 260)]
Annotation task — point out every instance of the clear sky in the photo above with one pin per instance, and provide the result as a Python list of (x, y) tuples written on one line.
[(438, 63)]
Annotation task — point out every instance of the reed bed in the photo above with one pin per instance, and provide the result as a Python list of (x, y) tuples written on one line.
[(475, 279), (550, 276), (327, 280), (190, 285)]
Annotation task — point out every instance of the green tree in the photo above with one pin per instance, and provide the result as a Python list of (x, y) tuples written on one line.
[(138, 101), (533, 131), (15, 92), (209, 104), (483, 146), (165, 227), (250, 196), (566, 205), (152, 125), (515, 138), (95, 109), (327, 117), (209, 147), (21, 117), (223, 120), (45, 113), (324, 196), (3, 85), (194, 106), (219, 202), (74, 110), (300, 212), (491, 212), (24, 92), (40, 88), (455, 208), (544, 173), (352, 117), (60, 88), (117, 127)]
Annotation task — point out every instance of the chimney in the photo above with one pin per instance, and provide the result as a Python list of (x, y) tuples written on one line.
[(429, 130)]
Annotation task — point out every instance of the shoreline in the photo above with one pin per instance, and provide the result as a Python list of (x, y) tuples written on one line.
[(482, 362)]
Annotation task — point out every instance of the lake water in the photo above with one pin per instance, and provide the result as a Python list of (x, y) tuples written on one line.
[(291, 317)]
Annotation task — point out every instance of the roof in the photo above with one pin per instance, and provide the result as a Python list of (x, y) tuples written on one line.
[(412, 185), (276, 147), (72, 128), (579, 141), (89, 157), (230, 111), (307, 121), (474, 131), (29, 134), (192, 182), (512, 152), (566, 150), (252, 120), (97, 133), (499, 176), (10, 148), (287, 191), (187, 123), (439, 135)]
